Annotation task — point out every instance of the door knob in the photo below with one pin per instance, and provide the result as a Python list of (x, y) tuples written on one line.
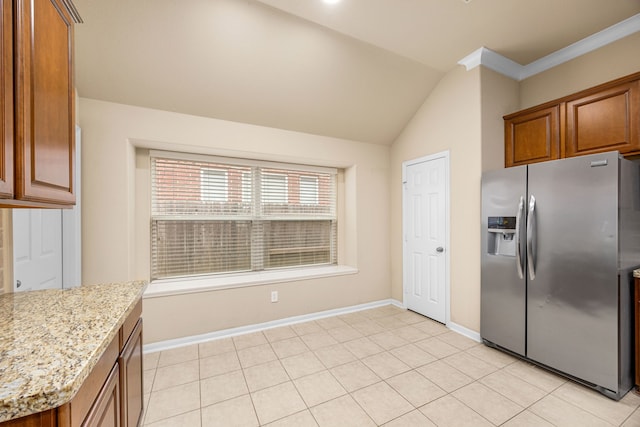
[(18, 283), (439, 249)]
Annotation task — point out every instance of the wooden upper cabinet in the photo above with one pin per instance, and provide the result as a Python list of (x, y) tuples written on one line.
[(6, 99), (532, 136), (595, 120), (44, 87), (603, 121)]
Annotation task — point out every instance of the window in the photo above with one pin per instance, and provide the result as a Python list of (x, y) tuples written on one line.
[(309, 190), (246, 187), (213, 185), (212, 215), (275, 188)]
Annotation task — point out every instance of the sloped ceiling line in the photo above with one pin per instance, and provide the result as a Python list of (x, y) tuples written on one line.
[(357, 72), (496, 62)]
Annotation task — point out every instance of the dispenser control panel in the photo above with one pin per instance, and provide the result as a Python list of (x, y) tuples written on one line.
[(501, 239), (502, 222)]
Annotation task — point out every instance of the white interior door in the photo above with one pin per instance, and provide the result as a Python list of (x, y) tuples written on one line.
[(425, 229), (47, 242), (37, 249)]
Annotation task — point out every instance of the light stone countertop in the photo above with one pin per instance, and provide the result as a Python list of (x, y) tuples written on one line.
[(50, 341), (636, 273)]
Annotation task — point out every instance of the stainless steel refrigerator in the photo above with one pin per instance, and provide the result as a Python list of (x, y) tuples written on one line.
[(560, 240)]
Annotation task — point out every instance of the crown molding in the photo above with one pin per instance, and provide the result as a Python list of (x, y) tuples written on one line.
[(493, 60)]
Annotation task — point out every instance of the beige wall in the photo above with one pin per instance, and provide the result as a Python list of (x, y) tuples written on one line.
[(499, 95), (615, 60), (111, 240), (464, 115), (448, 120)]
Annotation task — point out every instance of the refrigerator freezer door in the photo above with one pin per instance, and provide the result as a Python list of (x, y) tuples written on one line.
[(572, 303), (503, 307)]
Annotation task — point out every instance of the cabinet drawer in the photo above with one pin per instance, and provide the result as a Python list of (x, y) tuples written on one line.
[(127, 327)]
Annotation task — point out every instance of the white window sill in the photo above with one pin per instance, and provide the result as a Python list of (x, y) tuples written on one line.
[(166, 287)]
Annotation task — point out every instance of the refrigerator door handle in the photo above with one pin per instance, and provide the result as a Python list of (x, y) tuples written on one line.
[(530, 253), (518, 251)]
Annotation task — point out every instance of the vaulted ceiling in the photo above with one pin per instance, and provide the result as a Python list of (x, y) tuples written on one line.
[(357, 70)]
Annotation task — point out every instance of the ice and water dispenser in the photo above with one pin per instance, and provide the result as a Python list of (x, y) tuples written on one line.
[(501, 235)]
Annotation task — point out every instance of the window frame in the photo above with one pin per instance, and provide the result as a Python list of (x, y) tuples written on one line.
[(293, 169)]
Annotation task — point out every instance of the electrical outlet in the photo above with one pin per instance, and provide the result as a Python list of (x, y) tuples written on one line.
[(274, 296)]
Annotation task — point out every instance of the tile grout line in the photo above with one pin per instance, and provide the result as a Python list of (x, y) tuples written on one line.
[(244, 377), (504, 369)]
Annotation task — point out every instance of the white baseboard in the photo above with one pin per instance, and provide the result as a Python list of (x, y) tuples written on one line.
[(196, 339), (225, 333), (464, 331), (398, 304)]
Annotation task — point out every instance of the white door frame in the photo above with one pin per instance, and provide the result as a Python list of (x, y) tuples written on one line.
[(447, 252), (72, 226)]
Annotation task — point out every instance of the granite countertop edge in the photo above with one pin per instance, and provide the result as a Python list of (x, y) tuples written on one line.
[(26, 389)]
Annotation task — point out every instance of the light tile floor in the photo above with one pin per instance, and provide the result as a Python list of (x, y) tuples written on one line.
[(384, 366)]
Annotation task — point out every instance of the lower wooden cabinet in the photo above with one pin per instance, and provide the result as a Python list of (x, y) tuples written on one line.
[(105, 411), (130, 362), (636, 310), (112, 394), (42, 419)]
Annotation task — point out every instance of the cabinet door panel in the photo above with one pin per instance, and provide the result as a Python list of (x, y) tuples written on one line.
[(130, 362), (6, 99), (532, 137), (45, 108), (604, 121), (106, 409), (636, 300)]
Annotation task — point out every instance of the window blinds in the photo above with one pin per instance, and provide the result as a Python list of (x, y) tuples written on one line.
[(220, 216)]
